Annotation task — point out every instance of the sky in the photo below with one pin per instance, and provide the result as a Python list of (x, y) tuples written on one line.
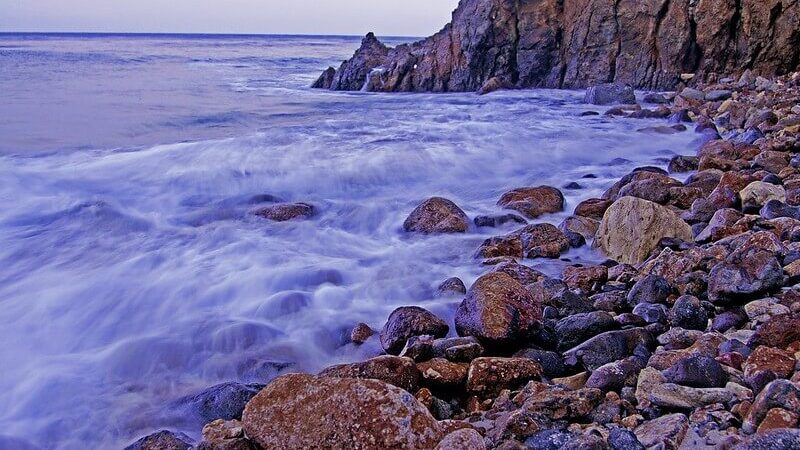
[(348, 17)]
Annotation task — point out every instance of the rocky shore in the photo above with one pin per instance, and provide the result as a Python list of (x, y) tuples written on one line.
[(688, 336), (491, 44)]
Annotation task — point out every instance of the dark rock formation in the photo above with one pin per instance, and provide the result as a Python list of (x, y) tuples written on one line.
[(579, 43)]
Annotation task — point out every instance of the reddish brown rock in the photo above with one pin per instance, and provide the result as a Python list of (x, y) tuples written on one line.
[(437, 215), (585, 277), (769, 359), (441, 373), (488, 376), (593, 208), (542, 241), (286, 211), (361, 333), (522, 273), (498, 310), (501, 246), (533, 201), (406, 322), (777, 418), (464, 439), (302, 411), (778, 331), (162, 440), (777, 394), (394, 370), (556, 402)]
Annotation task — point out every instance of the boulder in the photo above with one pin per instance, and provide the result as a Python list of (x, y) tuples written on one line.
[(361, 333), (609, 94), (777, 394), (441, 373), (488, 376), (437, 215), (698, 371), (542, 241), (608, 347), (408, 321), (224, 401), (395, 370), (756, 194), (666, 431), (302, 411), (533, 201), (450, 287), (632, 228), (578, 328), (498, 310)]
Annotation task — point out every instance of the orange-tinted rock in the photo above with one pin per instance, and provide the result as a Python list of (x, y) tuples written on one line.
[(593, 208), (301, 411), (497, 310), (361, 333), (778, 418), (770, 359), (533, 201), (437, 215), (499, 246), (439, 372), (488, 376), (585, 277), (394, 370)]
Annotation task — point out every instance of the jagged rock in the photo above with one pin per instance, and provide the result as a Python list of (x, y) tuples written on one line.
[(302, 411), (437, 215), (408, 321), (777, 394), (632, 228), (579, 43), (750, 270), (558, 402), (609, 94), (498, 309), (778, 331), (585, 277)]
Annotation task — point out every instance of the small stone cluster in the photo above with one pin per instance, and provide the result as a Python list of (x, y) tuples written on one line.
[(687, 337)]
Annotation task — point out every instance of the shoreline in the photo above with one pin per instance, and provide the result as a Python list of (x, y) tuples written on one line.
[(692, 338)]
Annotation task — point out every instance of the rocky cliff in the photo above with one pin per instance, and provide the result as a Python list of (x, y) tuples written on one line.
[(577, 43)]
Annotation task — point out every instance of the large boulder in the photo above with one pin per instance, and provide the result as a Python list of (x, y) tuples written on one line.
[(437, 215), (406, 322), (498, 310), (303, 411), (631, 229), (533, 201)]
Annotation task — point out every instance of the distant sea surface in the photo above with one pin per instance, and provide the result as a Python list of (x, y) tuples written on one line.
[(132, 271)]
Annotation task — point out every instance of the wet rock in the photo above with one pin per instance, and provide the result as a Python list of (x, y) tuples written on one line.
[(774, 209), (495, 84), (666, 431), (615, 375), (225, 435), (783, 439), (682, 164), (498, 310), (632, 228), (441, 373), (302, 411), (395, 370), (698, 371), (769, 359), (361, 333), (163, 440), (584, 227), (651, 313), (778, 331), (778, 418), (224, 401), (464, 439), (488, 376), (418, 348), (325, 80), (496, 221), (750, 270), (437, 215), (609, 94), (585, 277), (650, 289), (286, 211), (408, 321), (777, 394), (756, 194), (548, 440), (552, 362), (458, 349), (558, 402), (533, 201), (622, 439), (593, 208), (688, 313), (500, 246), (450, 287), (578, 328), (542, 241), (520, 272), (608, 347)]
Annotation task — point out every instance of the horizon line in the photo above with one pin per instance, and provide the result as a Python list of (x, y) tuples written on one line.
[(170, 33)]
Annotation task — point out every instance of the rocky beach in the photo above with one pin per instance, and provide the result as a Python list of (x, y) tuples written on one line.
[(687, 337)]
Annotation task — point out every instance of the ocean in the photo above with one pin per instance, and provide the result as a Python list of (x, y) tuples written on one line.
[(132, 270)]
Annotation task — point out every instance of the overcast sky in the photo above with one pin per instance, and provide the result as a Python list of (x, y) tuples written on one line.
[(356, 17)]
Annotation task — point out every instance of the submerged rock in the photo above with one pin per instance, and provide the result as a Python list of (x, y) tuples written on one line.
[(163, 440), (609, 94), (286, 211)]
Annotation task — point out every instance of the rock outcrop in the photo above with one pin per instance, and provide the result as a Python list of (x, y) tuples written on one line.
[(579, 43)]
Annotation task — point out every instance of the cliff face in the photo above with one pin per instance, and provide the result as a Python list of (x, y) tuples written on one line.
[(577, 43)]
